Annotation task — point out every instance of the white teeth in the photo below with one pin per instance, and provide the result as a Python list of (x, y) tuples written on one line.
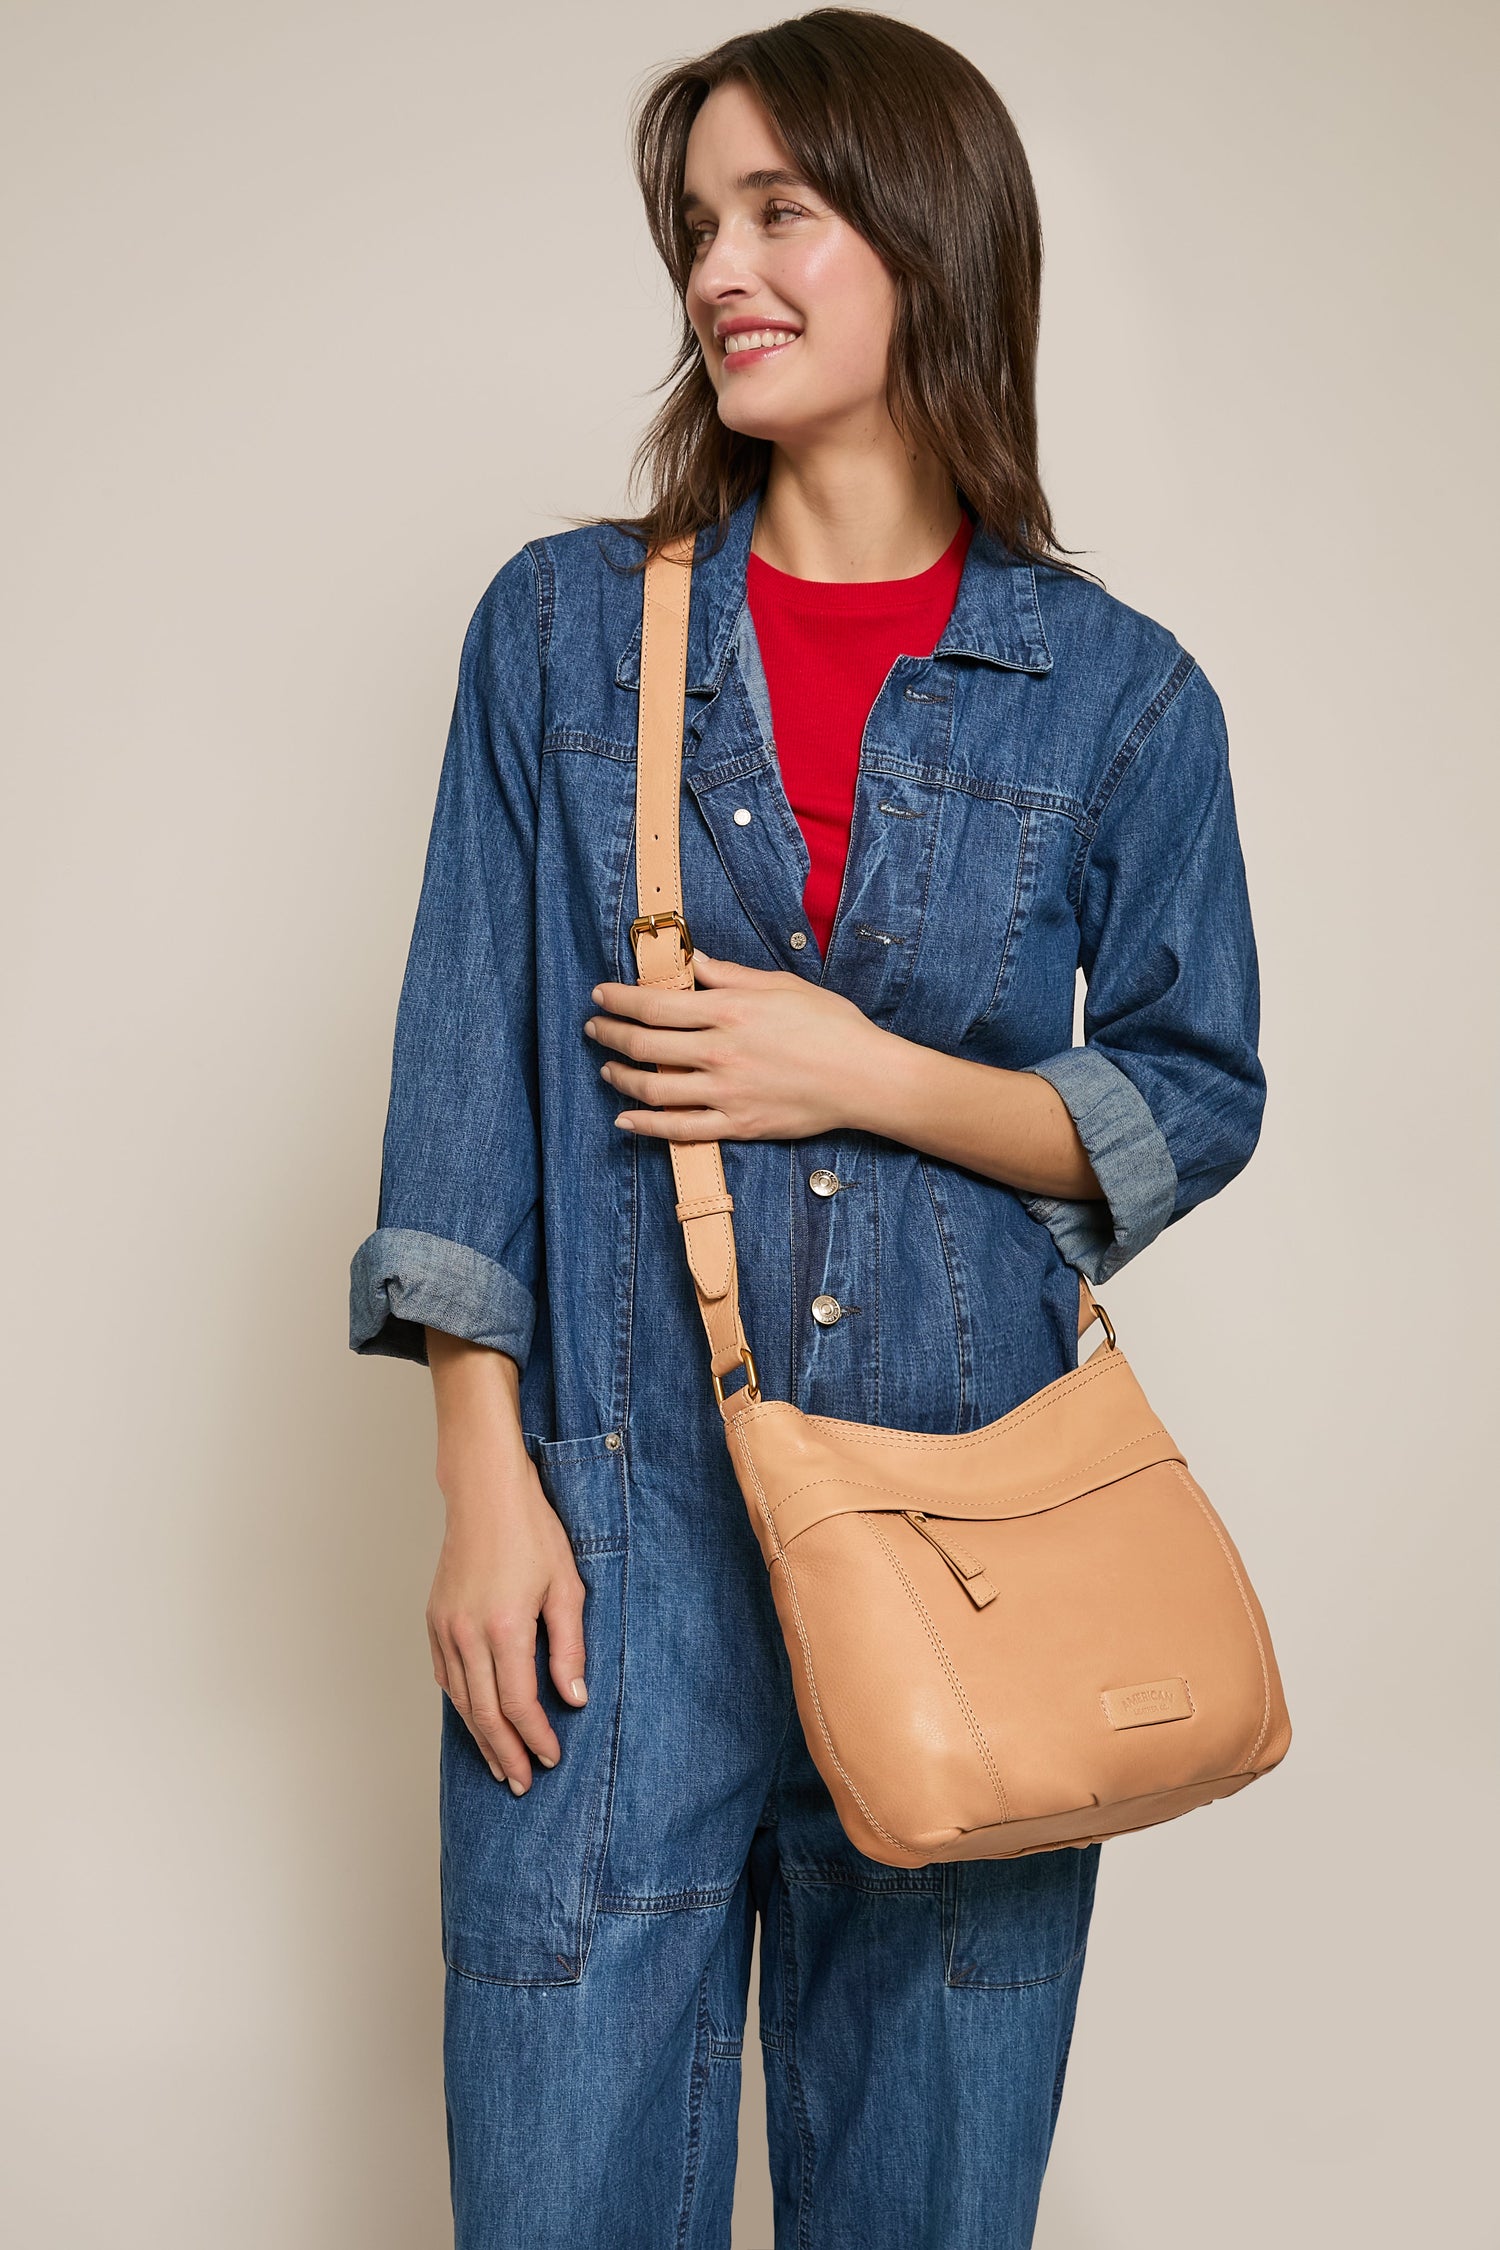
[(754, 338)]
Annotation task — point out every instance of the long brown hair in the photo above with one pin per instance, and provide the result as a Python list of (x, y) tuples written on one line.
[(905, 138)]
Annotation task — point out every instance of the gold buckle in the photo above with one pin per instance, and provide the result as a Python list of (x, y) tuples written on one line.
[(752, 1385), (1105, 1321), (658, 922)]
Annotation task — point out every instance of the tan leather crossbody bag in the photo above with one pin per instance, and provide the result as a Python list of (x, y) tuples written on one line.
[(1004, 1640)]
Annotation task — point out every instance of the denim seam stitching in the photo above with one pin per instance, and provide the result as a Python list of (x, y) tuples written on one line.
[(698, 2079), (1020, 903), (546, 591), (796, 2093), (664, 1902), (633, 1242), (602, 1815), (484, 1976), (837, 1879), (955, 1288), (1013, 1984), (583, 743), (895, 992), (890, 767), (1124, 758)]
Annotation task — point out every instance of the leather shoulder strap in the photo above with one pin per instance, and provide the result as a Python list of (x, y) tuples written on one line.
[(664, 953)]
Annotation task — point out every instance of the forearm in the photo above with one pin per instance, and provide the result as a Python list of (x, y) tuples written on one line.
[(478, 1399), (1009, 1125)]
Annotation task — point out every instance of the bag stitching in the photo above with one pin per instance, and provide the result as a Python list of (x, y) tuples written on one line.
[(879, 1826), (980, 1744), (1029, 1492), (958, 1441)]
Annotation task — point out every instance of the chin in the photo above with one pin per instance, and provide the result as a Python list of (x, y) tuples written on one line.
[(750, 426), (774, 428)]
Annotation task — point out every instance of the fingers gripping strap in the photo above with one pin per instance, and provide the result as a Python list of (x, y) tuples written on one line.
[(703, 1202)]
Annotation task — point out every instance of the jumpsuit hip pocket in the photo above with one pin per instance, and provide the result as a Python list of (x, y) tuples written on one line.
[(519, 1876), (1010, 1923)]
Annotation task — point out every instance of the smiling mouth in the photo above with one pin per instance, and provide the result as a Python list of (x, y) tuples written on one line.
[(756, 344)]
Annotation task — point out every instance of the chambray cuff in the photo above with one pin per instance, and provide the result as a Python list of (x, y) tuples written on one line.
[(1131, 1161), (402, 1282)]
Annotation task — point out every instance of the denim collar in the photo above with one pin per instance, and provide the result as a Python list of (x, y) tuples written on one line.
[(995, 617)]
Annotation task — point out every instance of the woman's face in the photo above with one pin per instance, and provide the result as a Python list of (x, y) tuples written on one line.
[(773, 254)]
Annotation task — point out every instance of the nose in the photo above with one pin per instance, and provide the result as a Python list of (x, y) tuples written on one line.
[(725, 270)]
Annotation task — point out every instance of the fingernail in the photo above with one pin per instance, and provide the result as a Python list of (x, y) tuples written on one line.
[(597, 994), (578, 1689), (515, 1787), (589, 1032), (545, 1761)]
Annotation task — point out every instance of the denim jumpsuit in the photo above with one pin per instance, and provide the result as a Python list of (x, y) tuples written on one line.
[(1048, 789)]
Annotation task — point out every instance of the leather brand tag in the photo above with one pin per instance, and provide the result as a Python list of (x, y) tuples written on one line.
[(1146, 1706)]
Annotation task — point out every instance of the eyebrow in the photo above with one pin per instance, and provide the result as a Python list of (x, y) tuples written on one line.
[(687, 201)]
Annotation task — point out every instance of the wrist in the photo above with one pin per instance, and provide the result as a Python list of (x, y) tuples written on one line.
[(481, 1452), (869, 1092), (877, 1093), (478, 1482)]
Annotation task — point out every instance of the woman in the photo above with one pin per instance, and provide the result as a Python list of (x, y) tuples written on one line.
[(929, 770)]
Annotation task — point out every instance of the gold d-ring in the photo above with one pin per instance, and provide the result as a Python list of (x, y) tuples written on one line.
[(752, 1385)]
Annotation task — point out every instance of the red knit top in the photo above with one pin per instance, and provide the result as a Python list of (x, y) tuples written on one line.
[(827, 646)]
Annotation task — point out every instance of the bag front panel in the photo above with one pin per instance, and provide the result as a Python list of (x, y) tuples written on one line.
[(1119, 1658)]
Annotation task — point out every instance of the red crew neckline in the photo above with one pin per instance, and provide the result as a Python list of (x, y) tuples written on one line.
[(863, 594)]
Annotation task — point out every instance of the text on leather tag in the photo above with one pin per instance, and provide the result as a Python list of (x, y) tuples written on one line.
[(1145, 1706)]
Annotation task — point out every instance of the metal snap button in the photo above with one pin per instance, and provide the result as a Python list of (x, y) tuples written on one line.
[(823, 1183), (613, 1441), (742, 816), (826, 1310), (797, 940)]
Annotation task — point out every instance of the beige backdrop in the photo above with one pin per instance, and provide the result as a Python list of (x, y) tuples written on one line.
[(318, 311)]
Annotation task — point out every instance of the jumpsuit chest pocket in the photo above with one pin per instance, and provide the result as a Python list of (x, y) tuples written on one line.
[(984, 879), (938, 877), (520, 1875)]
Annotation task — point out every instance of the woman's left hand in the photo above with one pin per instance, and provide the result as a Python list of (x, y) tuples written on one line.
[(752, 1054)]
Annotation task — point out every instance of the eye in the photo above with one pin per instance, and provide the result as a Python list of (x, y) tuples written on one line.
[(702, 228)]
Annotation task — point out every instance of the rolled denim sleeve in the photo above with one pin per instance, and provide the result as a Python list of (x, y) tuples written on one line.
[(457, 1241), (1167, 1090)]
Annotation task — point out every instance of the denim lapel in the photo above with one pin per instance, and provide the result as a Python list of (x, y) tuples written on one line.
[(729, 754), (996, 615)]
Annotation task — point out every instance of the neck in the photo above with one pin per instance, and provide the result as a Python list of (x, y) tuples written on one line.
[(883, 515)]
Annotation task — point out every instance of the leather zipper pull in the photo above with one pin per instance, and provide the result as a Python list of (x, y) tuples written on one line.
[(966, 1569)]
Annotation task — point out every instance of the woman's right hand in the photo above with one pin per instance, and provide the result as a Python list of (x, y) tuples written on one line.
[(506, 1561)]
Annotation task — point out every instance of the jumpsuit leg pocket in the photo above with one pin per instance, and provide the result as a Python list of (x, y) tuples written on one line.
[(1009, 1923), (519, 1876)]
